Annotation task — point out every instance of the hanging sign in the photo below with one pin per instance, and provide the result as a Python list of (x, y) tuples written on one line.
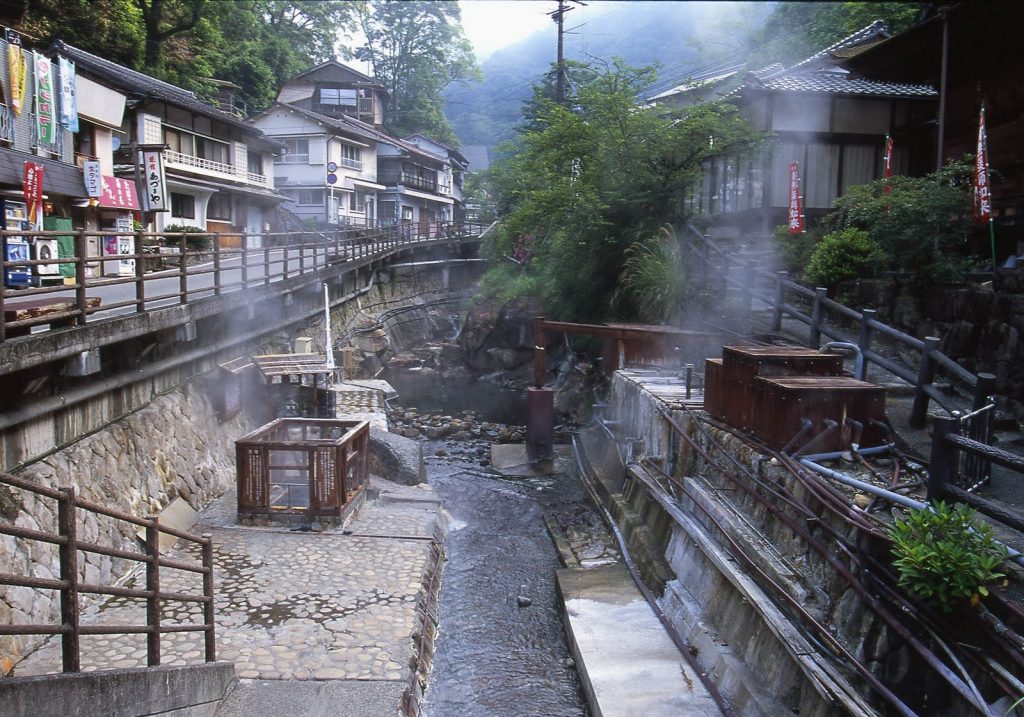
[(118, 193), (17, 69), (154, 183), (93, 178), (68, 96), (796, 215), (982, 188), (32, 189), (46, 124)]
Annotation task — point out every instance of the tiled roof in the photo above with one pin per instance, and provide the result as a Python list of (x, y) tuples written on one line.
[(138, 83), (874, 30), (833, 83)]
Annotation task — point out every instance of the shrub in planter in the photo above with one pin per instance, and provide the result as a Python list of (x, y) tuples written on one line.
[(200, 242)]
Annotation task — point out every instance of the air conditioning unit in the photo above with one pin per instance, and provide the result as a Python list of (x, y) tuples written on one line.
[(303, 345)]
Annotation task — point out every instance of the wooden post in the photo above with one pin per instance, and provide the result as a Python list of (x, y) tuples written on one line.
[(925, 374), (68, 557), (266, 263), (140, 274), (245, 261), (748, 290), (208, 607), (814, 335), (981, 425), (780, 300), (80, 276), (153, 587), (216, 263), (183, 269), (943, 466), (864, 341)]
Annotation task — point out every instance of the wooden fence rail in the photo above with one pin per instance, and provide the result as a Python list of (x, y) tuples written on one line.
[(70, 584)]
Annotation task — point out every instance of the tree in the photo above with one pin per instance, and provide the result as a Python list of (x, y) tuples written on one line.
[(162, 20), (595, 178), (110, 28), (415, 49)]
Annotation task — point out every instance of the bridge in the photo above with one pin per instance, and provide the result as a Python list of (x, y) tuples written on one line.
[(159, 309)]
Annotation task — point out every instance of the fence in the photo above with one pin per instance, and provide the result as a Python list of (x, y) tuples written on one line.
[(70, 584), (155, 270)]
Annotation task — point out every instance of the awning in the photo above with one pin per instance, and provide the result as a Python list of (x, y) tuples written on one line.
[(368, 185), (267, 194), (424, 195), (119, 193)]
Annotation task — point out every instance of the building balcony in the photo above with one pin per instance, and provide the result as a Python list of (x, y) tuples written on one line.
[(352, 164), (209, 167), (408, 179), (6, 124)]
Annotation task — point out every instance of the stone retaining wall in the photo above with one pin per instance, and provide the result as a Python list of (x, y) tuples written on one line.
[(173, 447)]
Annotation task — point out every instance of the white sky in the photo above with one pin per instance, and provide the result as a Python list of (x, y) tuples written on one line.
[(493, 24)]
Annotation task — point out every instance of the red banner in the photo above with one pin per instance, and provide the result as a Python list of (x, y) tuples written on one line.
[(796, 214), (888, 161), (118, 193), (982, 190), (32, 189)]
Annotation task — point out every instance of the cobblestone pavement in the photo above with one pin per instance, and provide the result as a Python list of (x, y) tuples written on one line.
[(290, 605)]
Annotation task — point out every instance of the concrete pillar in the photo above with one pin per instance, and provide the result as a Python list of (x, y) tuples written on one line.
[(540, 429)]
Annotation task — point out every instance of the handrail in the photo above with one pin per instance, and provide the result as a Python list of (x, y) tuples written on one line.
[(179, 267), (70, 583)]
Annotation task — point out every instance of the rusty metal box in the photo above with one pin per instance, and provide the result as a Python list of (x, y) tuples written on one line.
[(713, 387), (780, 402), (743, 364)]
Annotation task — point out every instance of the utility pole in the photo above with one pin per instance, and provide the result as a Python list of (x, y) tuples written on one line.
[(559, 17)]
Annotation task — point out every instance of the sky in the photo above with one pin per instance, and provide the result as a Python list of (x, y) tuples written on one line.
[(493, 24)]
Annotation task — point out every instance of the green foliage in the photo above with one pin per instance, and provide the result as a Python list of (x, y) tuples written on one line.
[(922, 225), (197, 239), (795, 250), (943, 556), (844, 254), (416, 49), (590, 180), (653, 280)]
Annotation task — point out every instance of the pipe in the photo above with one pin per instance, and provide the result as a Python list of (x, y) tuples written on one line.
[(836, 455), (858, 361), (806, 425), (830, 426)]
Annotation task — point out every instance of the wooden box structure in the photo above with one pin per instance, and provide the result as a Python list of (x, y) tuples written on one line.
[(769, 390), (312, 467)]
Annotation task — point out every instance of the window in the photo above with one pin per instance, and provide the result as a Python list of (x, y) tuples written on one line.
[(337, 97), (255, 162), (182, 142), (357, 202), (219, 207), (307, 197), (183, 205), (388, 211), (351, 157), (296, 152), (212, 150)]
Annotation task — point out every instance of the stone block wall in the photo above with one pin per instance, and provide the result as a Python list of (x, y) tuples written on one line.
[(173, 447)]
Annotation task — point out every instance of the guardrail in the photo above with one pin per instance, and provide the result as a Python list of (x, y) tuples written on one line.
[(70, 583), (777, 291), (165, 269)]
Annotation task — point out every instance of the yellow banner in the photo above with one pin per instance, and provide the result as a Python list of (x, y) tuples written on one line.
[(18, 70)]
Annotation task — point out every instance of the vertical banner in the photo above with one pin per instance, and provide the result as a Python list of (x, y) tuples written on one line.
[(17, 69), (154, 188), (93, 178), (796, 214), (46, 121), (887, 173), (32, 190), (982, 190), (68, 95)]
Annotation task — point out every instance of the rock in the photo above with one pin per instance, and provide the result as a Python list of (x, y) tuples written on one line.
[(461, 436), (396, 458), (506, 359), (523, 601)]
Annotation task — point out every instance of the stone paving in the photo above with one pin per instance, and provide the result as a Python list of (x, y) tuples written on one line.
[(290, 605)]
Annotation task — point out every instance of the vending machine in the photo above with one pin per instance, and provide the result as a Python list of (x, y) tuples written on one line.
[(14, 217)]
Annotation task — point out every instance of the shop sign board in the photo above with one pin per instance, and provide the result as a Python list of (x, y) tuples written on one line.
[(155, 198)]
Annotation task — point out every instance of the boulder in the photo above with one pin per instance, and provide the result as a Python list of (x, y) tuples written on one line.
[(396, 458)]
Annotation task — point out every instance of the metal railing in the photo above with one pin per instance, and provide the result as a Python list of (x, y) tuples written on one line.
[(209, 165), (71, 585), (408, 179), (160, 270)]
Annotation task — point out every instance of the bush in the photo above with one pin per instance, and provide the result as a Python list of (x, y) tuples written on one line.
[(842, 255), (794, 250), (943, 556), (653, 282), (200, 242)]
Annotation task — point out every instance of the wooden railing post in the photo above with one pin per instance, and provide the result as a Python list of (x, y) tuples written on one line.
[(266, 262), (943, 466), (210, 637), (925, 374), (153, 587), (216, 263), (864, 341), (245, 260), (287, 251), (183, 269), (979, 468), (68, 557), (748, 290), (780, 300), (140, 273), (814, 334), (80, 250)]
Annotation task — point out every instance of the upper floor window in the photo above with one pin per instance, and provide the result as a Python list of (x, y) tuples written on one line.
[(338, 97), (351, 156), (296, 151), (306, 197), (254, 161)]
